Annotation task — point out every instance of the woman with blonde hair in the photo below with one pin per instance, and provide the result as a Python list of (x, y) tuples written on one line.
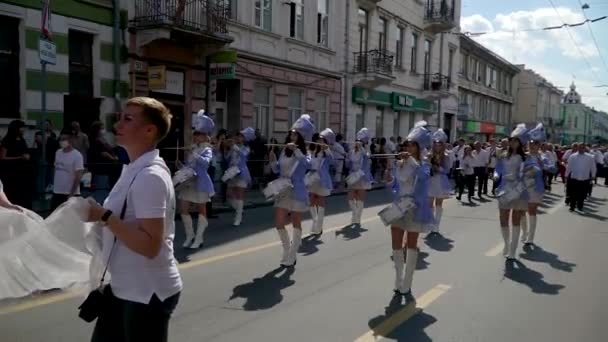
[(199, 189), (237, 175), (535, 185), (292, 198), (137, 222), (360, 176), (440, 184), (319, 182)]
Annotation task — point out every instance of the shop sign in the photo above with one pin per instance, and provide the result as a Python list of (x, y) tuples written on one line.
[(487, 128), (47, 51), (222, 71), (472, 127), (174, 83), (157, 77)]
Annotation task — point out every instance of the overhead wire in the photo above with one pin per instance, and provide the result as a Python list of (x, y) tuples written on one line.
[(593, 36)]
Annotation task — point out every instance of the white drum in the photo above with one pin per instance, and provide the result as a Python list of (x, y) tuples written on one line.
[(182, 176), (354, 177), (396, 211), (277, 188), (511, 193), (312, 178), (232, 172)]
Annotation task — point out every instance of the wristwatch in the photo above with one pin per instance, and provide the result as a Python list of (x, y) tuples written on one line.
[(106, 216)]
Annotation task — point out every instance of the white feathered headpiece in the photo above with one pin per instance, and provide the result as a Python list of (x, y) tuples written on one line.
[(304, 126), (521, 132), (202, 123), (537, 134), (328, 135), (363, 135), (421, 135), (440, 136), (248, 133)]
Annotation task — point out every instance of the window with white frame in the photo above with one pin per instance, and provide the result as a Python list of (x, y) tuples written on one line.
[(263, 14), (383, 27), (413, 52), (399, 48), (451, 55), (295, 105), (427, 56), (363, 19), (321, 115), (296, 19), (261, 112), (323, 22)]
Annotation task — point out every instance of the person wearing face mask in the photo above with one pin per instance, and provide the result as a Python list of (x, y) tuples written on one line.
[(69, 168)]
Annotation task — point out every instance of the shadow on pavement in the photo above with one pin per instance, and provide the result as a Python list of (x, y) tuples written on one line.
[(411, 330), (538, 254), (264, 293), (439, 242), (516, 271), (587, 213), (309, 245), (351, 232), (421, 263)]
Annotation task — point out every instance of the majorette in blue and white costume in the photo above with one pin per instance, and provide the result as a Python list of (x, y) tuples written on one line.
[(533, 178), (320, 183), (292, 166), (440, 184), (359, 165), (410, 182), (237, 160), (199, 189), (512, 194)]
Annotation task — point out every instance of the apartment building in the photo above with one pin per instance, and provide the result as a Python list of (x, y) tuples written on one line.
[(577, 118), (400, 58), (486, 92), (538, 100), (81, 85)]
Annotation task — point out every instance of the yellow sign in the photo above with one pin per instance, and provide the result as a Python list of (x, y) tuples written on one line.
[(157, 77)]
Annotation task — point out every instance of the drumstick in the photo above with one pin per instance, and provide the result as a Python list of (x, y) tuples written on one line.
[(384, 155), (277, 145), (316, 143)]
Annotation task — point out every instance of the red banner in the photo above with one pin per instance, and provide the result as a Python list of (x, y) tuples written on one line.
[(487, 128), (45, 25)]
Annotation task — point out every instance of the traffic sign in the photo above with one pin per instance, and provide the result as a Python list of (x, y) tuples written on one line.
[(47, 51)]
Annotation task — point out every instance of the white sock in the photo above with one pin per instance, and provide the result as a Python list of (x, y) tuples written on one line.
[(353, 207), (532, 231), (411, 261), (285, 242), (314, 216), (524, 228), (188, 227), (399, 264), (296, 241), (202, 225), (360, 206), (320, 217), (506, 237), (238, 207), (514, 241), (438, 214)]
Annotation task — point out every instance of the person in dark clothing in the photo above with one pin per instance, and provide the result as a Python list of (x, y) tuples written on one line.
[(102, 162), (16, 166)]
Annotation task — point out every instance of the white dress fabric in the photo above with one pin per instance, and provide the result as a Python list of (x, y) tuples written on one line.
[(57, 253), (533, 195), (356, 159), (237, 181), (436, 187), (405, 174), (288, 201), (188, 191), (512, 168), (316, 188)]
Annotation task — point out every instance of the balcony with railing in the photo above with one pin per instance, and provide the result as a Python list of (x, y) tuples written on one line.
[(373, 68), (205, 19), (436, 86), (439, 15)]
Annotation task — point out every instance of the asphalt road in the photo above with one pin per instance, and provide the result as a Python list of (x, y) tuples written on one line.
[(341, 288)]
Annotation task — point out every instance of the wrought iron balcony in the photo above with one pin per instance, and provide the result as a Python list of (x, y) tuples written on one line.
[(439, 15), (201, 17), (436, 86), (373, 68)]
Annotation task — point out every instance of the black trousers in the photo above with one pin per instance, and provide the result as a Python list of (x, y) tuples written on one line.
[(577, 192), (126, 321), (481, 173), (469, 182), (489, 174)]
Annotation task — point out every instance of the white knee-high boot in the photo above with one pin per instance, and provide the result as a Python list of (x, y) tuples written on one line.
[(202, 225), (514, 242), (314, 214), (353, 207), (438, 214), (359, 205), (411, 261), (532, 230), (295, 245), (286, 243), (320, 218), (524, 228), (238, 207), (506, 237), (188, 227), (399, 264)]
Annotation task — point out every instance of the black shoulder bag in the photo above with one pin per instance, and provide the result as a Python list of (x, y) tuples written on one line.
[(96, 301)]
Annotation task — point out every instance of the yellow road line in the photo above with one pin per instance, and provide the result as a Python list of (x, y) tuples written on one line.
[(496, 250), (403, 315), (42, 300)]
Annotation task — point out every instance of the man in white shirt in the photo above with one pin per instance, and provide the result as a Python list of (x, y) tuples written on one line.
[(598, 156), (481, 161), (390, 145), (580, 170), (459, 152), (69, 167)]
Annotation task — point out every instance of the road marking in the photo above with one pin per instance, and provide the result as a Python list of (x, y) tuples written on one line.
[(496, 250), (42, 300), (403, 315)]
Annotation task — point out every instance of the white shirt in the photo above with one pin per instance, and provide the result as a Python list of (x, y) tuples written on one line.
[(459, 152), (599, 158), (467, 165), (567, 155), (581, 166), (135, 277), (390, 146), (493, 152), (66, 166), (481, 158)]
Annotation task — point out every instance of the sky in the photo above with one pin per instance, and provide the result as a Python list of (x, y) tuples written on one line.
[(561, 56)]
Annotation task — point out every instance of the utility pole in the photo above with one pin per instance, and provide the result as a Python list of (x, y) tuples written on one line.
[(47, 53)]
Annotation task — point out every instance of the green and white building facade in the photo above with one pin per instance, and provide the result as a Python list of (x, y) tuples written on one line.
[(80, 86)]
